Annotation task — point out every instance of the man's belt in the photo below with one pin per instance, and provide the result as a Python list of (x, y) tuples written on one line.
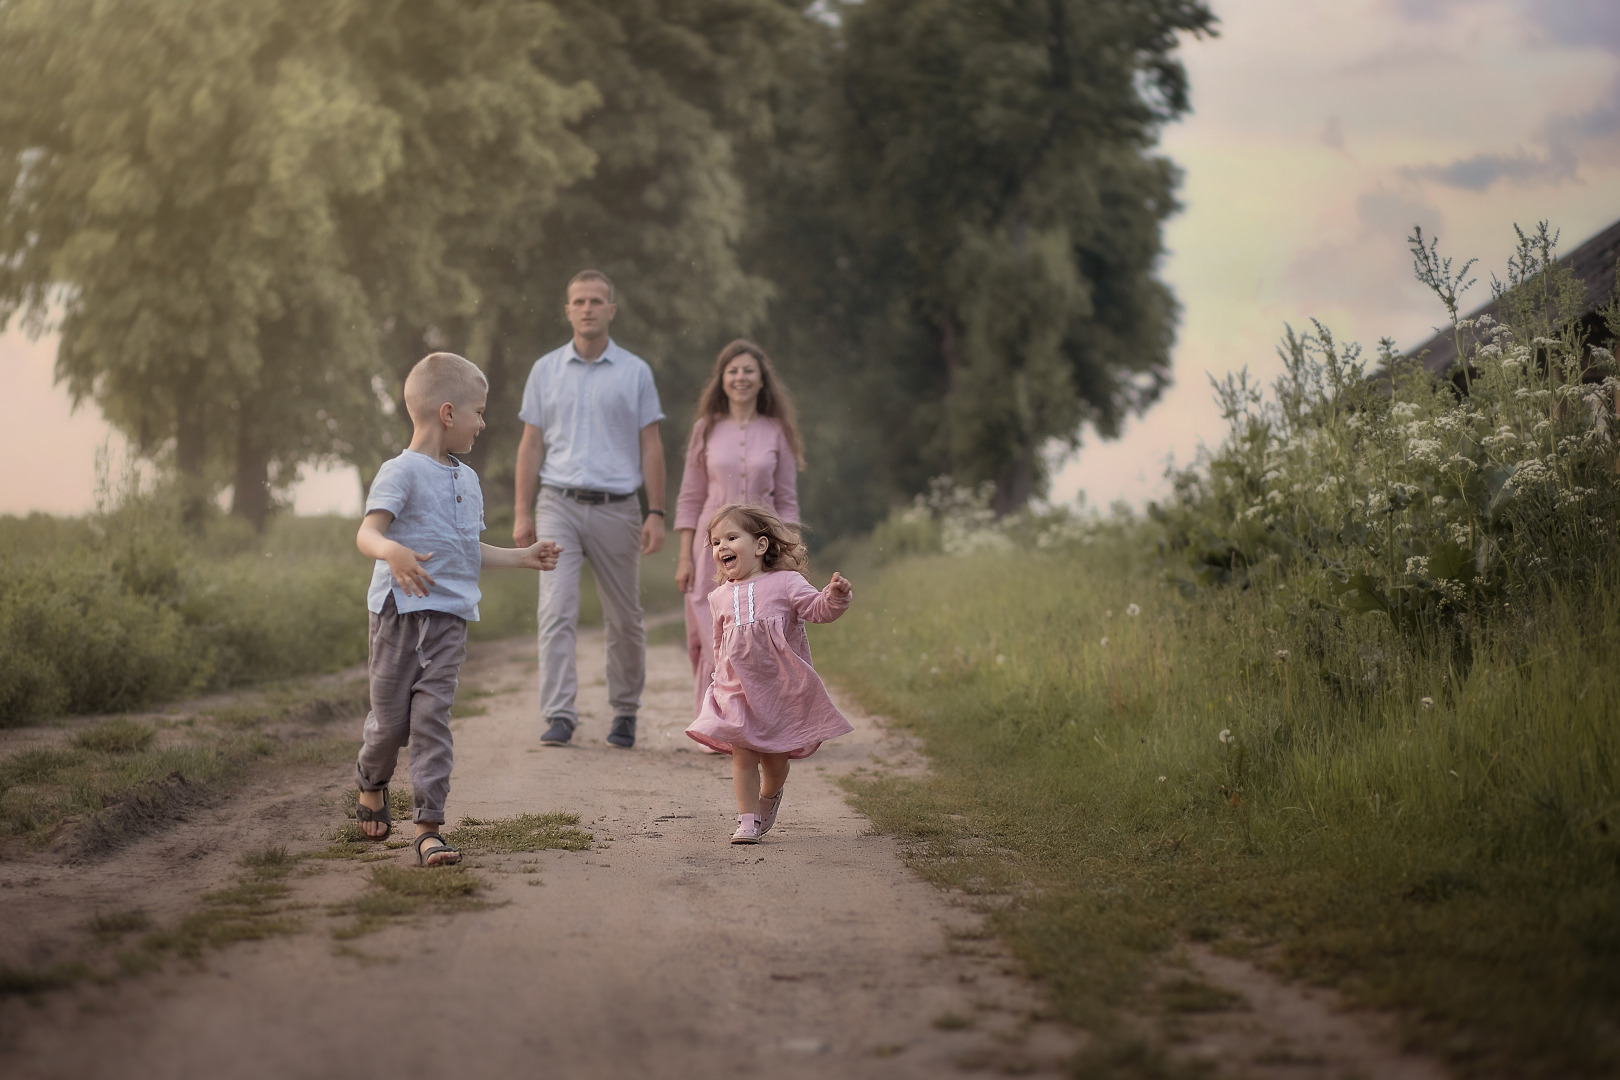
[(592, 498)]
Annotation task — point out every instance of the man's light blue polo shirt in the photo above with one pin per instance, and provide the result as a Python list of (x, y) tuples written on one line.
[(439, 509), (591, 415)]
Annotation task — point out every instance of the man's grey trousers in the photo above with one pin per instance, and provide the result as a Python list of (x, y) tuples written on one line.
[(608, 536)]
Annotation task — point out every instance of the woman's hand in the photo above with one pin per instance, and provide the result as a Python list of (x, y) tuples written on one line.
[(685, 564)]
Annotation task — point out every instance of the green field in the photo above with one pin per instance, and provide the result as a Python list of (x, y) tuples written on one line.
[(124, 609), (1137, 768)]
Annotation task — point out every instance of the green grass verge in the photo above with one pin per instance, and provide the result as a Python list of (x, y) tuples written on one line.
[(1431, 838), (116, 779)]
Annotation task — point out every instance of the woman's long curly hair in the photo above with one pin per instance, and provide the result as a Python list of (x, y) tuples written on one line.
[(774, 400), (784, 549)]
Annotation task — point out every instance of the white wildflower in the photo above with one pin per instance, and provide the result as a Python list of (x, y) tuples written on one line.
[(1282, 654), (1417, 564), (1161, 779), (1132, 610), (1424, 450), (1000, 659), (1438, 502), (1225, 736), (1428, 702), (1104, 642)]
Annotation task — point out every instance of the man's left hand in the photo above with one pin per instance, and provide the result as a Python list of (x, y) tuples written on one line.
[(652, 534)]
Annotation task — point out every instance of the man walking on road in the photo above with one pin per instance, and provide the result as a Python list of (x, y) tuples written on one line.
[(590, 439)]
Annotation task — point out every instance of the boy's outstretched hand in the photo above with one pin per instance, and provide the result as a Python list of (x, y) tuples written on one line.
[(406, 566), (839, 587), (541, 555)]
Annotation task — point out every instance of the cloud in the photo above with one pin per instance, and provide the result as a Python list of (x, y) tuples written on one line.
[(1567, 137), (1479, 172), (1579, 23)]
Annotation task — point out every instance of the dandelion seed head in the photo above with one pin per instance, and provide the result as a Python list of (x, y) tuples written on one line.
[(1282, 654), (1000, 659), (1161, 779), (1225, 736), (1427, 703), (1133, 611), (1104, 642)]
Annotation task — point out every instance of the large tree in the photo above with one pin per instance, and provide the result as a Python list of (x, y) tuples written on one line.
[(232, 204), (978, 229)]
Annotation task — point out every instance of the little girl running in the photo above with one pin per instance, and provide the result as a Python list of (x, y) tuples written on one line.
[(766, 704)]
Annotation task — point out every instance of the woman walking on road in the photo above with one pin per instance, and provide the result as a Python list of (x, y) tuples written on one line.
[(745, 447)]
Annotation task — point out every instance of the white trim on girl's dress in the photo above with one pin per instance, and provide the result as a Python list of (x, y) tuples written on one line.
[(736, 604)]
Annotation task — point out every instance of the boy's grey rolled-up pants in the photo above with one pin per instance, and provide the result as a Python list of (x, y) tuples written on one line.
[(415, 660), (608, 535)]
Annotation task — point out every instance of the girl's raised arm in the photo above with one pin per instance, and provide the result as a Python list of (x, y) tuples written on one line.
[(817, 606)]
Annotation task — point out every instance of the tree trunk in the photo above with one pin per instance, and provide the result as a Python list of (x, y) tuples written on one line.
[(190, 454), (251, 499), (1014, 483)]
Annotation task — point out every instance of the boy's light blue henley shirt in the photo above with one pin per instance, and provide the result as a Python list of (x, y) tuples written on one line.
[(439, 509)]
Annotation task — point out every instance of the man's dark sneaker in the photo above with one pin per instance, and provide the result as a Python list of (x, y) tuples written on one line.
[(623, 732), (558, 734)]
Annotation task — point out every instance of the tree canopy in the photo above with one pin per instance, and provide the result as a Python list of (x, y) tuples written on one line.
[(942, 219)]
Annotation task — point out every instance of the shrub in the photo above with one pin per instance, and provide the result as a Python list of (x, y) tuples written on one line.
[(1406, 496)]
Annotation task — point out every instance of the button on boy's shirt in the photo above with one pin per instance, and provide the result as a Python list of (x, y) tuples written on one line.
[(437, 508), (591, 416)]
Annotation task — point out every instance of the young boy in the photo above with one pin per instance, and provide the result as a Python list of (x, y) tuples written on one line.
[(425, 506)]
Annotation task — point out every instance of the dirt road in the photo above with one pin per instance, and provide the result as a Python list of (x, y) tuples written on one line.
[(661, 952)]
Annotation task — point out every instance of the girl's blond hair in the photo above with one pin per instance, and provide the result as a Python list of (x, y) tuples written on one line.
[(784, 549)]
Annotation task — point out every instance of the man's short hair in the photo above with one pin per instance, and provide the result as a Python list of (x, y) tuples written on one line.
[(440, 377), (592, 275)]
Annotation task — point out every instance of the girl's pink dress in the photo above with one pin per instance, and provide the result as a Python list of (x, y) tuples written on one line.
[(727, 462), (765, 696)]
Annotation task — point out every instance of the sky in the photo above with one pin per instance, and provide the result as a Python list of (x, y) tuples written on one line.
[(1321, 132)]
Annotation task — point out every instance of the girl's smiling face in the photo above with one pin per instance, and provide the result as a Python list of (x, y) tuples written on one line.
[(737, 553)]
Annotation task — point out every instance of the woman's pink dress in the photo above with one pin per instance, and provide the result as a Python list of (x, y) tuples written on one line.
[(765, 696), (727, 462)]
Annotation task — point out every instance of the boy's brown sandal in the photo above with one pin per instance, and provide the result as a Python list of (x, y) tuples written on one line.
[(364, 813), (451, 855)]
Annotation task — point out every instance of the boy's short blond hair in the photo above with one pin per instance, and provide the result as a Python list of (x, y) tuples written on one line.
[(438, 378)]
